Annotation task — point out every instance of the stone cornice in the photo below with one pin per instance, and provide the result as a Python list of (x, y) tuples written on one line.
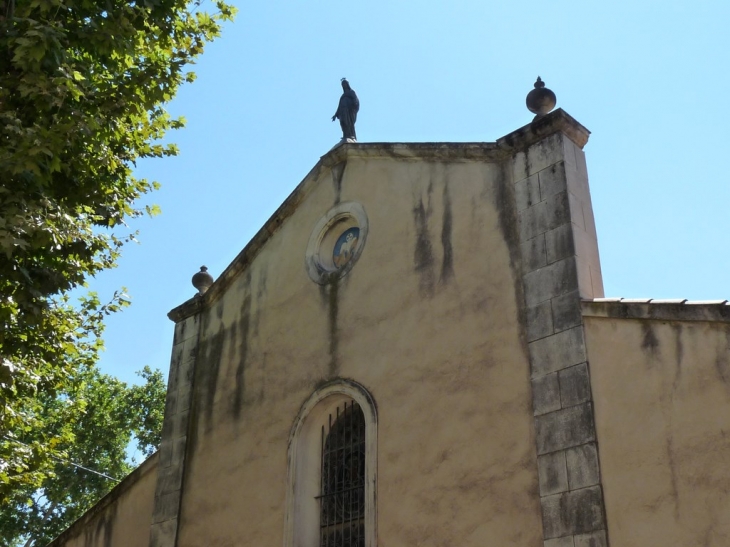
[(679, 310), (558, 121)]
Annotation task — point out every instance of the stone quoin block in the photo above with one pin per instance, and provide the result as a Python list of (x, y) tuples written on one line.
[(565, 541), (552, 473), (576, 512), (545, 394), (533, 254), (171, 403), (165, 454), (168, 424), (575, 207), (590, 221), (552, 180), (566, 311), (597, 282), (179, 335), (564, 428), (175, 360), (187, 367), (170, 478), (577, 184), (527, 192), (163, 534), (582, 465), (539, 321), (544, 216), (585, 283), (166, 506), (596, 539), (181, 424), (545, 153), (575, 385), (559, 243), (550, 281), (558, 351), (519, 167), (184, 397), (585, 247), (178, 450)]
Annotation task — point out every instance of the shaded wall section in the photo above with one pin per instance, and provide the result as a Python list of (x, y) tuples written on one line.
[(662, 404), (121, 518)]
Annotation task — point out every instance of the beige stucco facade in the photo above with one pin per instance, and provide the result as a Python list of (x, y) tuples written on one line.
[(427, 321), (662, 394), (500, 387)]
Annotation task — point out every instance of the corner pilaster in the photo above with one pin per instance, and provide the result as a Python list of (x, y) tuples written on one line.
[(168, 492), (560, 265)]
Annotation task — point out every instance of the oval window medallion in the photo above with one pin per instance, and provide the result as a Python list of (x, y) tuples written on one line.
[(336, 242)]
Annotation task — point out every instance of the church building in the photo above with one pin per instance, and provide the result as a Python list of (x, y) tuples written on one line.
[(416, 350)]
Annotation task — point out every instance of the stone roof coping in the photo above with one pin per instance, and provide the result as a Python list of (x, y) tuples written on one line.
[(521, 139), (658, 309), (77, 527)]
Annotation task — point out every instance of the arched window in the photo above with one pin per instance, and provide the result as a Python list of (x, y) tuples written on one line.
[(332, 470)]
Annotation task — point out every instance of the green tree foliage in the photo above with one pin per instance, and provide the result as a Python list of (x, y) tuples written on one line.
[(82, 89), (99, 437)]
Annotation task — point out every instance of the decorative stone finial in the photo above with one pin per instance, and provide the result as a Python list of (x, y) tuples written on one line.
[(540, 100), (202, 280)]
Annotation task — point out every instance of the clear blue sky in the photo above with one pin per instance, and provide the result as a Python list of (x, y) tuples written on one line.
[(650, 79)]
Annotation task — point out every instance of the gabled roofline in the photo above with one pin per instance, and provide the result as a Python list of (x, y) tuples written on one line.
[(661, 310), (558, 121)]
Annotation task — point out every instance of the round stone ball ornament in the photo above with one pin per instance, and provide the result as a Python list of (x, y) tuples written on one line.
[(540, 100), (336, 242)]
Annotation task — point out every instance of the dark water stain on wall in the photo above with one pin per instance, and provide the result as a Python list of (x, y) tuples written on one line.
[(338, 172), (679, 353), (260, 294), (333, 308), (244, 326), (423, 260), (262, 383), (722, 361), (673, 475), (504, 202), (447, 263), (649, 340), (101, 534), (207, 374)]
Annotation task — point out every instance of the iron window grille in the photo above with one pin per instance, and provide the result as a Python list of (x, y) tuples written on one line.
[(342, 493)]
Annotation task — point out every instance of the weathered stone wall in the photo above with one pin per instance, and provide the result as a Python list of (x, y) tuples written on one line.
[(428, 320), (560, 266), (662, 404), (122, 518)]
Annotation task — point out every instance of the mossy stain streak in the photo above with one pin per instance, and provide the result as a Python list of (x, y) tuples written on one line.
[(211, 351), (423, 260), (505, 205), (447, 263), (333, 308), (244, 326), (337, 173), (649, 341)]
